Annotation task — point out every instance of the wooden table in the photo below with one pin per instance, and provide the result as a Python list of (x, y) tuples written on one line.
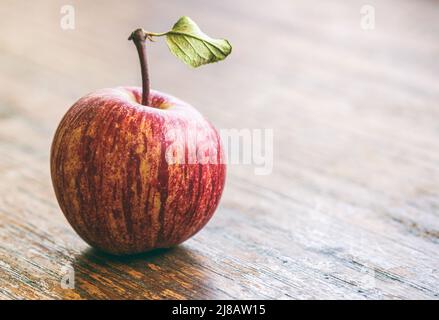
[(351, 209)]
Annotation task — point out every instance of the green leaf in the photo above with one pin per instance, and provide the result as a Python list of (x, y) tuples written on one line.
[(188, 43)]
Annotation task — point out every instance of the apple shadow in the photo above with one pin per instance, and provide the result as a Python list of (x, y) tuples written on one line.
[(92, 254), (174, 273)]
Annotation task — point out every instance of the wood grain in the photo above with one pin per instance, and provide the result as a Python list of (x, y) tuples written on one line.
[(351, 209)]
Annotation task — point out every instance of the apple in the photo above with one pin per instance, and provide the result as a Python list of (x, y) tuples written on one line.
[(112, 178), (135, 169)]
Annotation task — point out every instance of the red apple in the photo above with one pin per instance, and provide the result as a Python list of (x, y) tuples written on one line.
[(135, 169), (129, 177)]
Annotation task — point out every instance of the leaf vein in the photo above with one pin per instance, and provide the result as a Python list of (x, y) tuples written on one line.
[(179, 47), (195, 49), (198, 38)]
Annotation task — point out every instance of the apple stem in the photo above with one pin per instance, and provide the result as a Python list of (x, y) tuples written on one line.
[(139, 37)]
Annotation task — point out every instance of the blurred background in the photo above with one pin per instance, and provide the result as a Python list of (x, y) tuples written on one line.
[(350, 88)]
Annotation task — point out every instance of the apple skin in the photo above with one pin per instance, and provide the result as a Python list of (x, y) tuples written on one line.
[(112, 177)]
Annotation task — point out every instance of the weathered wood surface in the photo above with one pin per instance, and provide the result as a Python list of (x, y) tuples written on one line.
[(351, 209)]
